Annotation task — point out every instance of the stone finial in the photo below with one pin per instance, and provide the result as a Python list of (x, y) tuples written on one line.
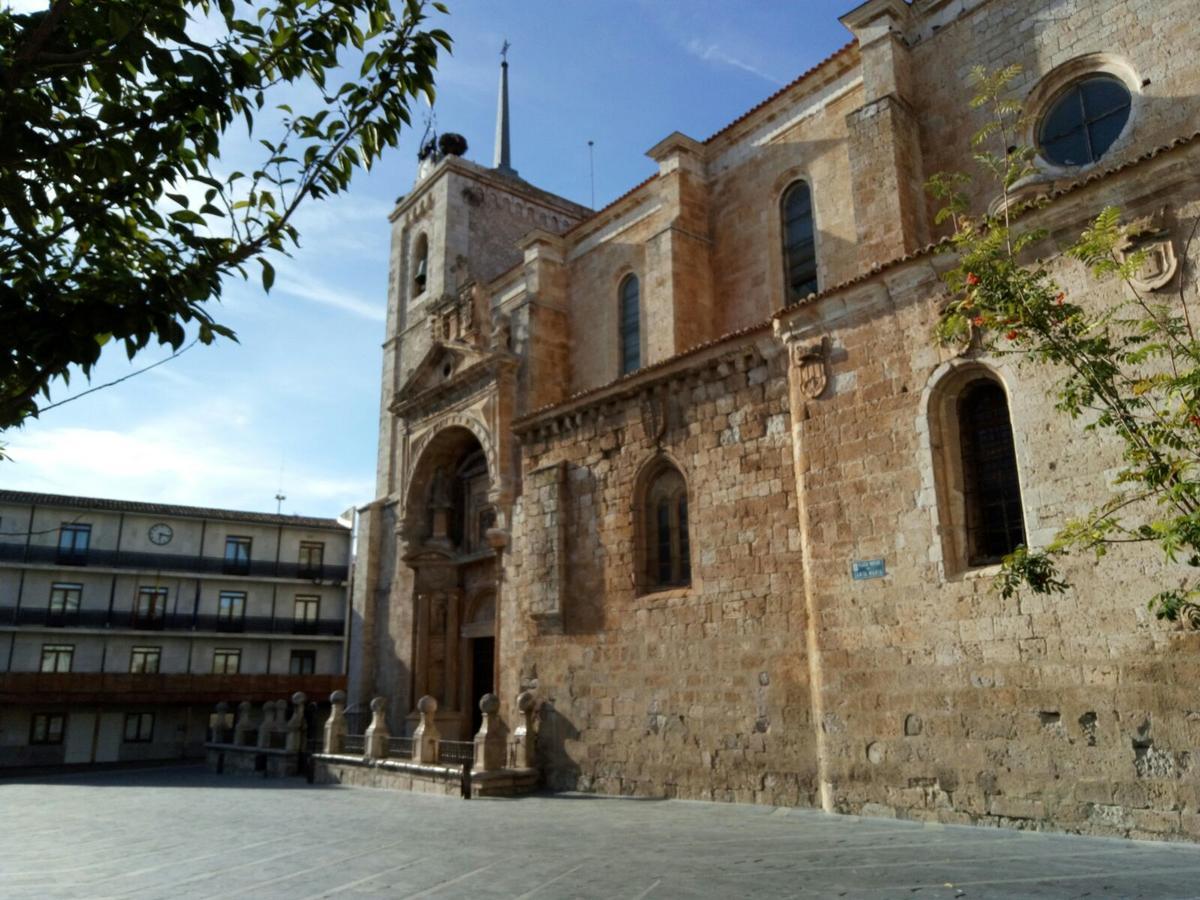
[(426, 737), (376, 739), (296, 730), (335, 725), (268, 725), (222, 710), (522, 745), (490, 745), (244, 731)]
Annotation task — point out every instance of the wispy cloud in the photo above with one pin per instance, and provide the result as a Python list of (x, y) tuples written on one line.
[(308, 287), (715, 54), (173, 459)]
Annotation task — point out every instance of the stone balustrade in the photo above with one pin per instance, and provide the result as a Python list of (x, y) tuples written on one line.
[(425, 762), (270, 745)]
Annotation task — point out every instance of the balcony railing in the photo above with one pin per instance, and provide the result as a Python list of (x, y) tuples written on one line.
[(103, 618), (90, 687), (173, 562)]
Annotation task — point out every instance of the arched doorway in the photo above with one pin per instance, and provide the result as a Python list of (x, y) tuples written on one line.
[(449, 512)]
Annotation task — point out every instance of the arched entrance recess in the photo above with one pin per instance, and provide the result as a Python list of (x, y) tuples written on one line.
[(447, 517)]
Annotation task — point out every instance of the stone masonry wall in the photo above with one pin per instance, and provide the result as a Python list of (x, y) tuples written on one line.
[(699, 692), (1040, 35), (943, 701)]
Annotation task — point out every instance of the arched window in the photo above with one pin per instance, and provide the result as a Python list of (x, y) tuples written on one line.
[(799, 243), (1084, 121), (667, 550), (630, 325), (980, 513), (420, 265), (991, 488)]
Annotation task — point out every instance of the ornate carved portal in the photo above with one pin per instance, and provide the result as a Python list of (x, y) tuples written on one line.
[(449, 513)]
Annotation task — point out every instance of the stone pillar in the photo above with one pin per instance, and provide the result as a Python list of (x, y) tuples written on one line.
[(375, 743), (218, 730), (267, 725), (295, 725), (884, 141), (489, 742), (244, 732), (522, 746), (335, 726), (426, 737)]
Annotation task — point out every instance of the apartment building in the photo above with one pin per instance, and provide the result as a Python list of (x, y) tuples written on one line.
[(123, 623)]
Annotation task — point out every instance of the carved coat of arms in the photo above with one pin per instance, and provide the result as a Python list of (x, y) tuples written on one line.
[(1151, 239), (812, 370)]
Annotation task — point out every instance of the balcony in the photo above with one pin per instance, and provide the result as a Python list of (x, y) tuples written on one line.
[(95, 687), (102, 618), (173, 562)]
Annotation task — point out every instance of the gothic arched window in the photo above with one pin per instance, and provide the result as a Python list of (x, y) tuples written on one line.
[(420, 265), (630, 325), (799, 243), (991, 488), (667, 550)]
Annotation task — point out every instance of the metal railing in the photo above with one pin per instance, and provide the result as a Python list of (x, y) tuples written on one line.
[(452, 753), (354, 744), (176, 562), (103, 618), (400, 748)]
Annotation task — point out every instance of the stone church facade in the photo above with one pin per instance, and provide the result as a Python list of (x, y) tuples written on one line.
[(692, 469)]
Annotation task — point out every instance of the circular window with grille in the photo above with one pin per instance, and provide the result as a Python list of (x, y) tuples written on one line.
[(1084, 121)]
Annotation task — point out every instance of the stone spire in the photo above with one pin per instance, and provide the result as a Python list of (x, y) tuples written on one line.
[(503, 163)]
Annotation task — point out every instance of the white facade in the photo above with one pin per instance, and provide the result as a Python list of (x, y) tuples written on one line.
[(122, 623)]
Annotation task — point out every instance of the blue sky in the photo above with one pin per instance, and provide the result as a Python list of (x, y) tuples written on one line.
[(299, 393)]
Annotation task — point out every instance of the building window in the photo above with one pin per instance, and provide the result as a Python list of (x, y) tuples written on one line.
[(1084, 121), (145, 660), (991, 488), (665, 541), (47, 728), (312, 559), (979, 510), (57, 657), (150, 607), (231, 611), (303, 662), (306, 611), (420, 265), (237, 555), (139, 728), (226, 662), (799, 242), (73, 542), (631, 325), (64, 603)]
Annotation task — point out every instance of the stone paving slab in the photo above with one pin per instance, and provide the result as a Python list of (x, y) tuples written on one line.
[(185, 833)]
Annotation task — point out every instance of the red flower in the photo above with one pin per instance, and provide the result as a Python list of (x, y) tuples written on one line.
[(972, 279), (1195, 420), (1012, 335), (1060, 298), (977, 321)]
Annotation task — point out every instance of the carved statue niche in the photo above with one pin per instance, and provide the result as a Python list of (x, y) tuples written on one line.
[(441, 503), (1150, 237), (439, 489), (501, 332)]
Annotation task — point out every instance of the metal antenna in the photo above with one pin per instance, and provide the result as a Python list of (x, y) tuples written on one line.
[(592, 169), (280, 496)]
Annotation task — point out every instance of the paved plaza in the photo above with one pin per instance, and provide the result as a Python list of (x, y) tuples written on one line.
[(183, 833)]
